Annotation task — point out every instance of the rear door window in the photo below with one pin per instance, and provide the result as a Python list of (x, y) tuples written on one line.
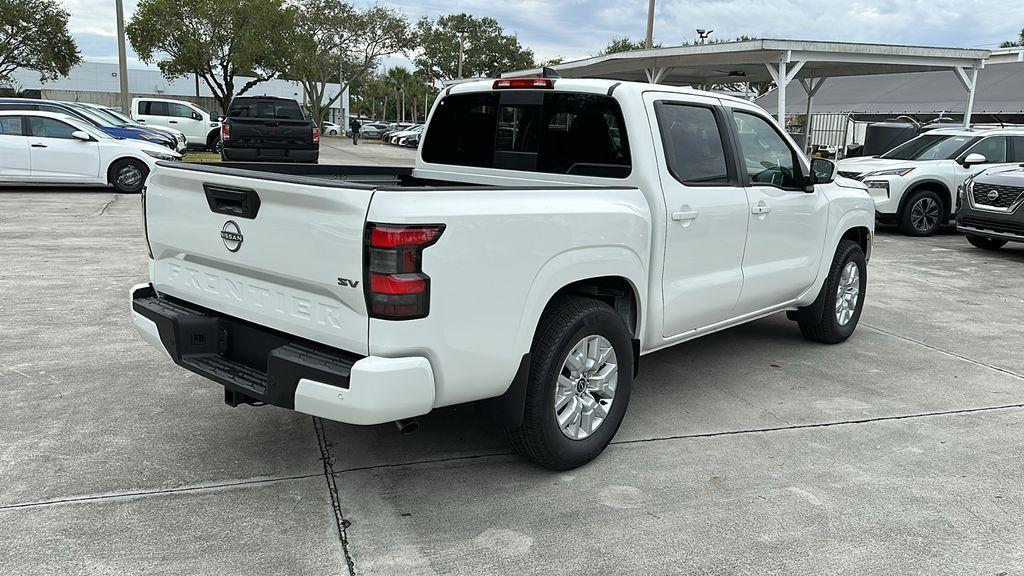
[(156, 109), (551, 132), (10, 126), (1018, 148), (694, 149), (993, 149)]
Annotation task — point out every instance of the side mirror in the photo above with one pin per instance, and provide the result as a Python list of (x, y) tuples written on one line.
[(82, 135), (972, 159), (823, 171), (220, 118)]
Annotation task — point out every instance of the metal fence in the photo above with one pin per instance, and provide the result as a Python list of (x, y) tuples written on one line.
[(830, 130)]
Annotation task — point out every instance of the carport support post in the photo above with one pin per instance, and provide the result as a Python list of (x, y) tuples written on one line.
[(811, 87), (971, 85), (782, 76)]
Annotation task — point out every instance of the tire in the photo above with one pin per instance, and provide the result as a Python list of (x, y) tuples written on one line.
[(922, 214), (821, 322), (984, 242), (128, 176), (567, 323)]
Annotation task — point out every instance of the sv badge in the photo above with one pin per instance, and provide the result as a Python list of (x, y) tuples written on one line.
[(348, 283)]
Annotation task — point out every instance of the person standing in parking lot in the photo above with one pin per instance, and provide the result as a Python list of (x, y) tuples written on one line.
[(354, 125)]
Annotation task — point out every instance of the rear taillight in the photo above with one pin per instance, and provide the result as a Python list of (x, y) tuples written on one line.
[(396, 287), (512, 83), (316, 135), (225, 132)]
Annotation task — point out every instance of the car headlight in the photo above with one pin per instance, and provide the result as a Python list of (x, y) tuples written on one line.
[(877, 185), (162, 155), (892, 172)]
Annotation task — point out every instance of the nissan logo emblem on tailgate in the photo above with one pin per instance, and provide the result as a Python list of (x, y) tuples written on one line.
[(231, 236)]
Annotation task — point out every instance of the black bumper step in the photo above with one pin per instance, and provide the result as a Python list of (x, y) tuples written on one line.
[(254, 362)]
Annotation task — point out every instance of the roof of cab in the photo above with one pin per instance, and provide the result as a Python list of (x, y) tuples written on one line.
[(594, 86)]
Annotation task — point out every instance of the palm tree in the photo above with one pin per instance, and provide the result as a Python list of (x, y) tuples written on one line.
[(1012, 43)]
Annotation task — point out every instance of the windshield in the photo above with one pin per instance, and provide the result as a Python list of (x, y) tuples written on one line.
[(928, 147), (94, 116), (117, 115)]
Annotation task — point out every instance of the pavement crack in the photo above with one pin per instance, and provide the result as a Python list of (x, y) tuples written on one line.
[(103, 209), (946, 352), (332, 488), (160, 492), (822, 424)]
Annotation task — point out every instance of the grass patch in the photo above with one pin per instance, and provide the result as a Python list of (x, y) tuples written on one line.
[(202, 157)]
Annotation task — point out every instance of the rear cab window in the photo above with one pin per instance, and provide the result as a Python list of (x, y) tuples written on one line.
[(531, 130), (265, 109)]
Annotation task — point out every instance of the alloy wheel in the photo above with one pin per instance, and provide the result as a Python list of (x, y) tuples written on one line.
[(924, 215), (848, 293), (586, 387)]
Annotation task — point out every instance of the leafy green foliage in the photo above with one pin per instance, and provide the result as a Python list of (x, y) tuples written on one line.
[(1014, 43), (337, 42), (380, 97), (624, 44), (488, 50), (34, 34), (216, 39)]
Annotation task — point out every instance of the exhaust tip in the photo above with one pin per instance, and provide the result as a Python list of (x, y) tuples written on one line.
[(407, 426)]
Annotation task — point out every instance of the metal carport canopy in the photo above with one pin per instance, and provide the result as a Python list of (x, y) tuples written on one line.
[(781, 61)]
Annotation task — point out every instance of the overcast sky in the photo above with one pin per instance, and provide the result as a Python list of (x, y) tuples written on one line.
[(579, 28)]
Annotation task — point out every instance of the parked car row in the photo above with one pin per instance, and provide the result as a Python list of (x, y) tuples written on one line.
[(44, 147), (923, 183), (408, 136)]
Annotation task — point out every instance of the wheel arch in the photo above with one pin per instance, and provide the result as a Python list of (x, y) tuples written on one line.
[(937, 186)]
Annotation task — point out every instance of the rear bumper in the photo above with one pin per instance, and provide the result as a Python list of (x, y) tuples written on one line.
[(270, 154), (259, 365)]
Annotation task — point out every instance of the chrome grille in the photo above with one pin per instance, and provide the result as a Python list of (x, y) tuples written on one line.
[(996, 196)]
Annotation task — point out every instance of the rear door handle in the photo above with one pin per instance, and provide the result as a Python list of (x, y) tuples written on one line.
[(39, 145), (172, 121)]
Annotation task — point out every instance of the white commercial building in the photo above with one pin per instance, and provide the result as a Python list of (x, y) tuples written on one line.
[(97, 82)]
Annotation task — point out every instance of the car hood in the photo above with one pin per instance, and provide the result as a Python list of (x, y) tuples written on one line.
[(144, 146), (159, 129), (868, 164), (1003, 176), (145, 131)]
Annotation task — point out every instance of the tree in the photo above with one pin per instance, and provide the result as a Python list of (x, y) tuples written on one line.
[(1014, 43), (338, 42), (624, 44), (217, 39), (488, 50), (34, 34), (384, 93)]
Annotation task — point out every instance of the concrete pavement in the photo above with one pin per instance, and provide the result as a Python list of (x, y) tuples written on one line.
[(750, 451)]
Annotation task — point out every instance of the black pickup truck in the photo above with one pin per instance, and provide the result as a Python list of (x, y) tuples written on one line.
[(991, 211), (268, 129)]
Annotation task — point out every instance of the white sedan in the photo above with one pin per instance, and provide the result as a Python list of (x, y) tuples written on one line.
[(332, 129), (49, 148)]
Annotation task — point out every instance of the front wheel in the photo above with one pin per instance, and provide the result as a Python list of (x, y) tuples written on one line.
[(581, 375), (834, 315), (128, 176), (985, 243), (923, 214)]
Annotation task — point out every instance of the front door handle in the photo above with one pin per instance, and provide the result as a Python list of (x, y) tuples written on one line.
[(685, 214), (172, 121), (39, 145), (760, 208)]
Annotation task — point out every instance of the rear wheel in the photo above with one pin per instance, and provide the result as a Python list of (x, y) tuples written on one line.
[(128, 176), (834, 315), (581, 375), (985, 243), (923, 214)]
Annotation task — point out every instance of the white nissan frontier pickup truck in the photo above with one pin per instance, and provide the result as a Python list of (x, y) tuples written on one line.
[(552, 232)]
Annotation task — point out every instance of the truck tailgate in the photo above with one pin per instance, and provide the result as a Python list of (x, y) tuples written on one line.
[(285, 255)]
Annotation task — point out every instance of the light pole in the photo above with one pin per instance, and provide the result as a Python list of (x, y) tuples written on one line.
[(122, 59), (649, 42), (462, 46)]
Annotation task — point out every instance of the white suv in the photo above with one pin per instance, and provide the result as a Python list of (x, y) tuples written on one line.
[(915, 184), (201, 128)]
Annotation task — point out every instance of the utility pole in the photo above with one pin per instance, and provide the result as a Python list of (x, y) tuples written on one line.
[(462, 46), (649, 42), (122, 59)]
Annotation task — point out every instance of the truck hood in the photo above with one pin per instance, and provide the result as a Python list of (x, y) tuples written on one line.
[(860, 166)]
